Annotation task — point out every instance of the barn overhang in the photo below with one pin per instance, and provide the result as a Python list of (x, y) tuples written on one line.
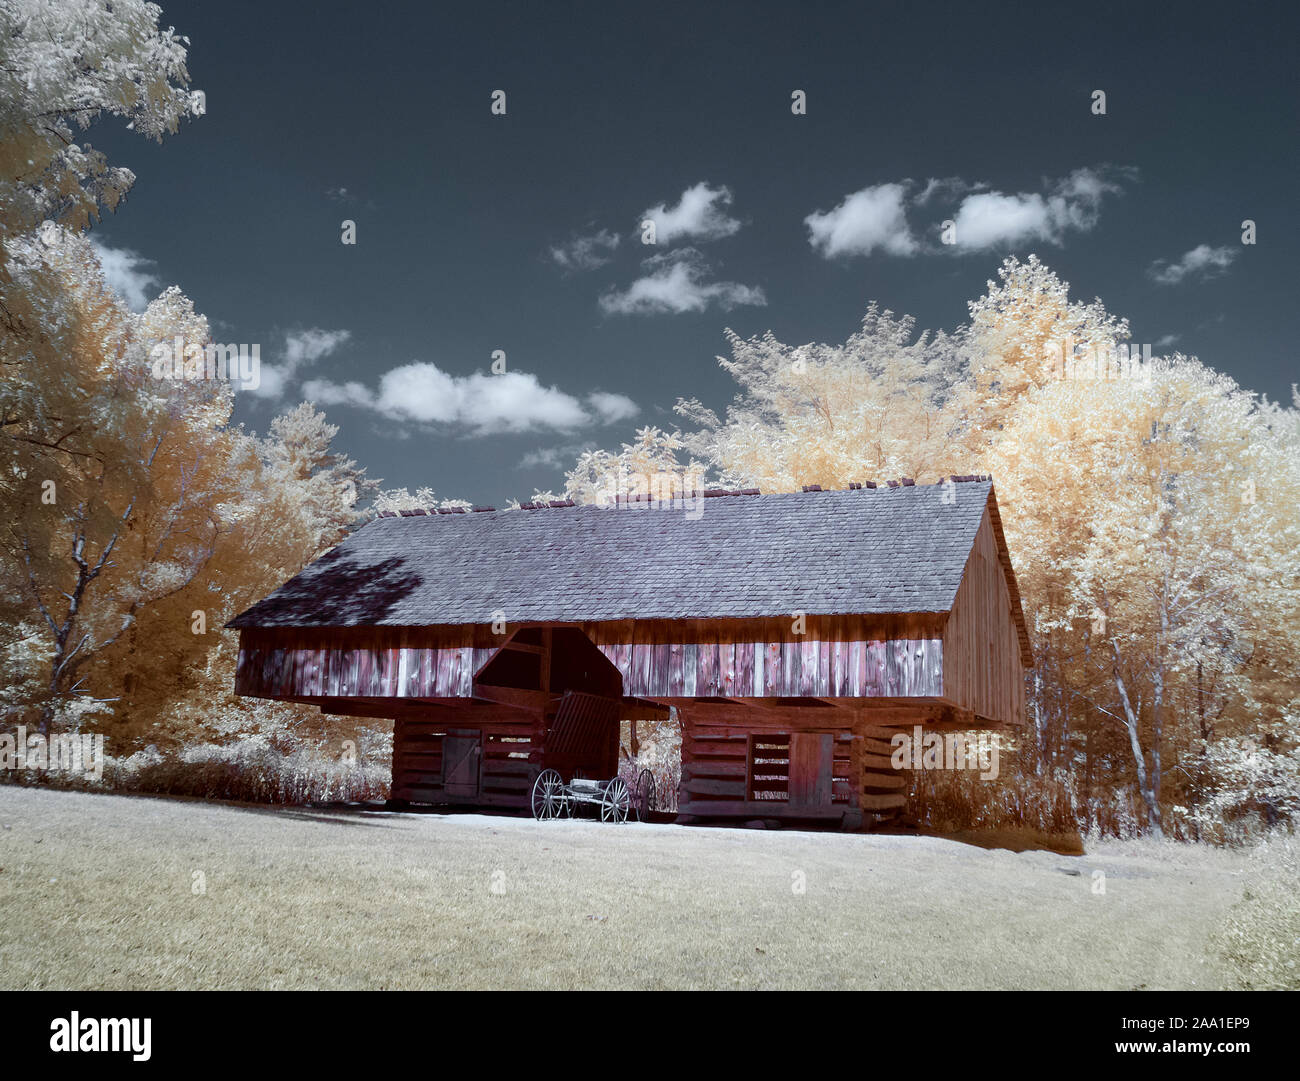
[(886, 663)]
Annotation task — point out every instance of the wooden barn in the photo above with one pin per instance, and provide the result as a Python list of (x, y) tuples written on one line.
[(793, 634)]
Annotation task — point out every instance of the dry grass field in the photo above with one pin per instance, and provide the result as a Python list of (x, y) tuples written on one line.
[(102, 891)]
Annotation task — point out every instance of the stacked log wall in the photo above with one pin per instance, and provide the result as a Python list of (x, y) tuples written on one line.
[(883, 788), (512, 754), (721, 779)]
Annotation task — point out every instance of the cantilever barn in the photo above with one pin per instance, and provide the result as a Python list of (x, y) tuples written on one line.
[(910, 615)]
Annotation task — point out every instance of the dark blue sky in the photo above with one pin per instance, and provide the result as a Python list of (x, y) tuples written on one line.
[(613, 109)]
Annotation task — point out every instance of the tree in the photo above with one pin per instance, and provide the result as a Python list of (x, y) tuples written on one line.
[(123, 507), (830, 414), (1150, 553), (1152, 510), (64, 63), (140, 518), (149, 520)]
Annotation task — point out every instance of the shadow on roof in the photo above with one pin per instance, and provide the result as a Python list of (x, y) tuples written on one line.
[(336, 590)]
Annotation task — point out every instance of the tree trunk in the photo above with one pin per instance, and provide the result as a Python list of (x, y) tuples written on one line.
[(1150, 791)]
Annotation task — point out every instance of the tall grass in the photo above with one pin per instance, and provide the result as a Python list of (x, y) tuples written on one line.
[(958, 800), (251, 770)]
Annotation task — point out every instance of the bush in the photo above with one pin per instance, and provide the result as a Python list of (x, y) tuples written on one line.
[(959, 800), (251, 770)]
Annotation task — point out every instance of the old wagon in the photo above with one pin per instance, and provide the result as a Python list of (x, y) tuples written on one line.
[(612, 799)]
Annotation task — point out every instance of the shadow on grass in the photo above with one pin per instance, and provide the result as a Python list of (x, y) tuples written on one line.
[(1009, 839), (335, 814)]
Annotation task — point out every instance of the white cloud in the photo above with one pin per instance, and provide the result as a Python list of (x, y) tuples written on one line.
[(1201, 262), (126, 273), (989, 219), (872, 218), (700, 213), (675, 283), (301, 348), (586, 252), (612, 407), (555, 457), (325, 392), (1167, 340), (483, 404), (993, 219), (308, 346)]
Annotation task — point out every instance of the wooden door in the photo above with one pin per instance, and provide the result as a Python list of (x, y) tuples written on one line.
[(810, 769), (462, 754)]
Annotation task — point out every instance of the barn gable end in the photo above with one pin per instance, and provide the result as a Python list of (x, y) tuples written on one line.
[(982, 660)]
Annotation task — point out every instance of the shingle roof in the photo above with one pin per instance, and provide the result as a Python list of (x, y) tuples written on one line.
[(867, 551)]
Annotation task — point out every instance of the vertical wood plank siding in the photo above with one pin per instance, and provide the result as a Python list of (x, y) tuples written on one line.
[(982, 670), (808, 668)]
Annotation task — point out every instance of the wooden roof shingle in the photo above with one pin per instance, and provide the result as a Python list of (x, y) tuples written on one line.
[(866, 551)]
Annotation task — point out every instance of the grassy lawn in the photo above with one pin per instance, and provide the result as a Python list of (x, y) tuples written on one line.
[(100, 892)]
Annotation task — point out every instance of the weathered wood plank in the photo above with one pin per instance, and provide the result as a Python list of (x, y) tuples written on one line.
[(870, 801), (755, 809)]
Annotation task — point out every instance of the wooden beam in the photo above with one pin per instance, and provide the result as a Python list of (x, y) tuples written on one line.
[(770, 717), (513, 696), (524, 647), (388, 708), (643, 709), (708, 808)]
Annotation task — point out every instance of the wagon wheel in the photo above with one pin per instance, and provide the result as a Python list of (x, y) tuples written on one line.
[(646, 800), (549, 798), (616, 802)]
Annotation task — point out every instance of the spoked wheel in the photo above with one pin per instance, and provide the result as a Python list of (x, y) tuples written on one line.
[(549, 798), (646, 801), (616, 802)]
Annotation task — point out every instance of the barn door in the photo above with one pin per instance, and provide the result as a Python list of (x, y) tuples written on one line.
[(461, 755), (810, 769)]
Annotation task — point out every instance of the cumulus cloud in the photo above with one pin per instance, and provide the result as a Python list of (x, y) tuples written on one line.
[(128, 274), (700, 214), (676, 282), (993, 219), (586, 252), (875, 217), (1201, 262), (301, 348), (555, 457), (480, 403), (612, 407)]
